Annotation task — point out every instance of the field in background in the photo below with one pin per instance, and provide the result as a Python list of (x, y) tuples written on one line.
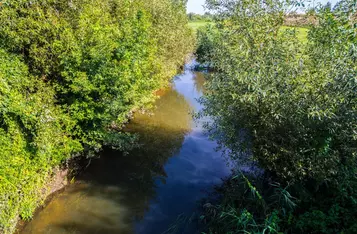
[(197, 24), (301, 32)]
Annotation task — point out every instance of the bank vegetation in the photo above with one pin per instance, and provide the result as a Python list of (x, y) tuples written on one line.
[(70, 73), (287, 107)]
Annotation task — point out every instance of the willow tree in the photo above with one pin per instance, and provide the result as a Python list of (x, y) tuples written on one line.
[(291, 105)]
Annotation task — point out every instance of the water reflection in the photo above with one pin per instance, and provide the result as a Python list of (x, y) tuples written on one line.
[(147, 190), (199, 82)]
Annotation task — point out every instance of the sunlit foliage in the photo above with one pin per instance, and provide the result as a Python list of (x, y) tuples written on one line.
[(35, 136), (71, 73)]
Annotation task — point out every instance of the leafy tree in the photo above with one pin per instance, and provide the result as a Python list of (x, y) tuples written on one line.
[(328, 6), (71, 73), (194, 17), (35, 137), (291, 106), (104, 58), (207, 39)]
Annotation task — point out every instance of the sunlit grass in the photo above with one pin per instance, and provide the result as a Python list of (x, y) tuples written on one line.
[(301, 32), (197, 24)]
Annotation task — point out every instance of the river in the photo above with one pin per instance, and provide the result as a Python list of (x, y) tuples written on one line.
[(155, 188)]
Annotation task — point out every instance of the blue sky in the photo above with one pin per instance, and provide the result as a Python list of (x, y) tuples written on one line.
[(196, 6)]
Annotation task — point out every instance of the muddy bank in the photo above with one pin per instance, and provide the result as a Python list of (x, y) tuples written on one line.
[(67, 173), (138, 192), (61, 176)]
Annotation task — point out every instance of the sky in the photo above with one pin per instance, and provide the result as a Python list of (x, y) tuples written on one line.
[(196, 6)]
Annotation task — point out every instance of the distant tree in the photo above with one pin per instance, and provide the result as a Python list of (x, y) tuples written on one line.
[(343, 5), (328, 6), (207, 16), (194, 17)]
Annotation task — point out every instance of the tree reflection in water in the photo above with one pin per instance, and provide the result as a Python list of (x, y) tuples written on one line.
[(132, 194), (116, 190)]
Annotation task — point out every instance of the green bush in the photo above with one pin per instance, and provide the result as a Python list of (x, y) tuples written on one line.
[(207, 41), (34, 137), (71, 73), (291, 105), (104, 58)]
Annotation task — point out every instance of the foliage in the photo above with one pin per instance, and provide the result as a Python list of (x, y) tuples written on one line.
[(243, 209), (301, 32), (71, 73), (195, 25), (198, 17), (197, 21), (35, 136), (291, 105), (82, 47), (207, 38)]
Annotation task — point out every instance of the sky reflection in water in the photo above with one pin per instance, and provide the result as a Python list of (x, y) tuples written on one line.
[(147, 190)]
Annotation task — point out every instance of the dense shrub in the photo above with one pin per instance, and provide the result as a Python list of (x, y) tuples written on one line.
[(103, 58), (34, 137), (71, 72), (291, 105), (207, 38)]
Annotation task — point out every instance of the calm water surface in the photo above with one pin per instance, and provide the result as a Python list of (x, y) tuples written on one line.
[(152, 188)]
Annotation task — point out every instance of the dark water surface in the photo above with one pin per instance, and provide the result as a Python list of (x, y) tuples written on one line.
[(154, 187)]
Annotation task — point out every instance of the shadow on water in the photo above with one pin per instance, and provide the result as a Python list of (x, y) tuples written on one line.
[(145, 191)]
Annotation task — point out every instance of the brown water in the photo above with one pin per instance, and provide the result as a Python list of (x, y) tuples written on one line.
[(152, 189)]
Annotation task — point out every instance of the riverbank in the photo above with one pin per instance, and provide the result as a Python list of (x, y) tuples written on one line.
[(69, 75), (65, 174), (55, 185), (137, 193), (60, 177)]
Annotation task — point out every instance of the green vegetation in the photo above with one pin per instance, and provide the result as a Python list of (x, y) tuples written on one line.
[(288, 103), (195, 25), (198, 17), (35, 136), (301, 33), (197, 21), (71, 72)]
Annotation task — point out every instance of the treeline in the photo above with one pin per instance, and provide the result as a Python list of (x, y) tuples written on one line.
[(299, 20), (198, 17), (291, 108), (70, 73)]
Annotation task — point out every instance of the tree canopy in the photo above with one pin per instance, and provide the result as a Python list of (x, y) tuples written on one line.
[(71, 73), (289, 106)]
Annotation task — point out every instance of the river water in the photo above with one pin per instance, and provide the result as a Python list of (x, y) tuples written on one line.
[(154, 189)]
